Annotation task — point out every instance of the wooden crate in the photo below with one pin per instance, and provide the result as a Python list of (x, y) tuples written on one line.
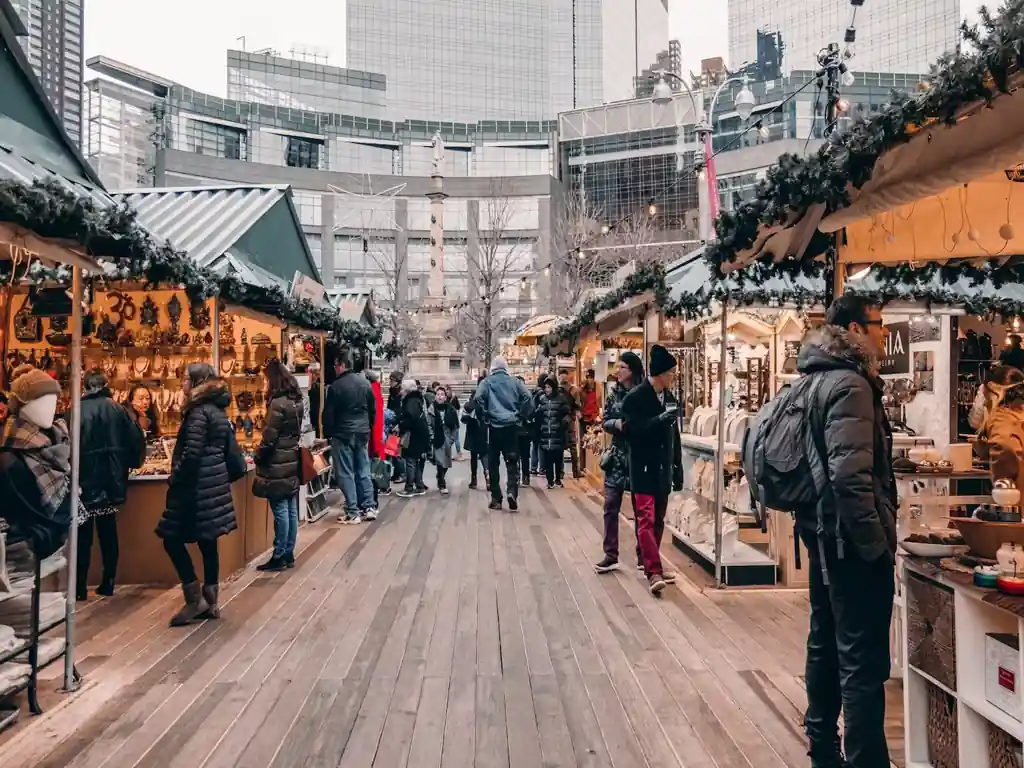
[(931, 634)]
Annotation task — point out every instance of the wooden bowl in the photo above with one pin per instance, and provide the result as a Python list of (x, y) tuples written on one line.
[(985, 538)]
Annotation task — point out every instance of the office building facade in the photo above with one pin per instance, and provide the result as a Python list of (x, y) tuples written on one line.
[(54, 48), (465, 60), (903, 36)]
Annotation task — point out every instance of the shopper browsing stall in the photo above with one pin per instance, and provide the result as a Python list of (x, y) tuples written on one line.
[(277, 462), (350, 416), (1003, 430), (650, 425), (200, 508), (590, 411), (142, 409), (628, 374), (852, 558), (574, 434), (113, 443)]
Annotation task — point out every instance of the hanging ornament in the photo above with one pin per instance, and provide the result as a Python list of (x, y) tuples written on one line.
[(974, 235), (956, 238), (1007, 231)]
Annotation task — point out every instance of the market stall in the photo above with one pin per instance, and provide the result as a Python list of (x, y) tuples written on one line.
[(926, 193)]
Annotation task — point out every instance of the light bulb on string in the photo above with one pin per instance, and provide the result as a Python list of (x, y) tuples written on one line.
[(652, 209), (605, 229)]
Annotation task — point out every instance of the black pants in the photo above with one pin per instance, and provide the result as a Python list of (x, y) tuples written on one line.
[(554, 464), (524, 458), (477, 459), (441, 473), (182, 560), (612, 505), (106, 528), (848, 653), (503, 442)]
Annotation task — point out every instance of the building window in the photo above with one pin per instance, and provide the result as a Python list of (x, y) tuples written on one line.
[(454, 364), (303, 153)]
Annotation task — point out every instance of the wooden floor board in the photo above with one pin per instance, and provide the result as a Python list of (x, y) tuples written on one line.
[(445, 635)]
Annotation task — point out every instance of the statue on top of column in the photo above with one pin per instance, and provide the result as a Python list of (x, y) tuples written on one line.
[(438, 145)]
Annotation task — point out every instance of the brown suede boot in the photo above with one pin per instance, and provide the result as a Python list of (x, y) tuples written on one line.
[(210, 595), (195, 606)]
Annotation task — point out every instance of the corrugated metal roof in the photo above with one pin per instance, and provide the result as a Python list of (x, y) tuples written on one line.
[(205, 222), (14, 165), (353, 305)]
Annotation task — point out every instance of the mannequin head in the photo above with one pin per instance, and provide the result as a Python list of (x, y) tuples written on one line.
[(34, 395)]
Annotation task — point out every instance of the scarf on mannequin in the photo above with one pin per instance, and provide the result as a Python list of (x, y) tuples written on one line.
[(46, 453)]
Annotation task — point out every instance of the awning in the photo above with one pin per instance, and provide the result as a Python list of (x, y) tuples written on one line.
[(357, 306), (533, 331)]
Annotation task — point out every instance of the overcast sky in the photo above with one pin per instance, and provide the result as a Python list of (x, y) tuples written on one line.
[(185, 40)]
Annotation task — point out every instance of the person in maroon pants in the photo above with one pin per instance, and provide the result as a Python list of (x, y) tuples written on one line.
[(650, 424)]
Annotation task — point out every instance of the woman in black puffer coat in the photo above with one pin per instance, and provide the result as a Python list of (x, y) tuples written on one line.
[(554, 410), (414, 430), (277, 463), (200, 508)]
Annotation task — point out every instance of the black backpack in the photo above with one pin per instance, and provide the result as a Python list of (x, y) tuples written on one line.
[(781, 459)]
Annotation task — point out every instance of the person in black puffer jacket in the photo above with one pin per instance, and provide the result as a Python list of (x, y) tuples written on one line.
[(112, 445), (277, 463), (553, 413), (476, 438), (414, 430), (200, 508), (628, 374)]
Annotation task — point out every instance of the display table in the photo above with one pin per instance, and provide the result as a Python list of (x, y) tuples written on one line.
[(142, 557), (962, 692)]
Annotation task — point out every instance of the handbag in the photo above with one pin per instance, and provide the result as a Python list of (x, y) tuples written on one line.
[(307, 469), (380, 473), (405, 441), (392, 446)]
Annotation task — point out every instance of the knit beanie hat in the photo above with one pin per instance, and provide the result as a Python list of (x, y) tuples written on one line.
[(635, 365), (661, 360), (499, 364), (28, 383)]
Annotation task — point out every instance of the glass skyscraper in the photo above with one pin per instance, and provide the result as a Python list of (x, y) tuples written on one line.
[(904, 36), (467, 60), (54, 48)]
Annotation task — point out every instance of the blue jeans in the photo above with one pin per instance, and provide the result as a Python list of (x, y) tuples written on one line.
[(286, 524), (352, 472)]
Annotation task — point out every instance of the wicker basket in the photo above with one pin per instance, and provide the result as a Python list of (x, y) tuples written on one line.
[(1004, 751), (931, 638), (943, 746)]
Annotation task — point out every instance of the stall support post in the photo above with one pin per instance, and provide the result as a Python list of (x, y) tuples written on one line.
[(720, 451), (216, 336), (323, 382), (70, 678)]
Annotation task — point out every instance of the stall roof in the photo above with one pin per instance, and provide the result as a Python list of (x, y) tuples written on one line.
[(255, 225), (696, 278), (33, 141), (357, 306)]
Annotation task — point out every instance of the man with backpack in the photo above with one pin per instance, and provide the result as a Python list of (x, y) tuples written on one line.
[(822, 449)]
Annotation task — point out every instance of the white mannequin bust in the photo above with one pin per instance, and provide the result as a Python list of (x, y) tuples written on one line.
[(40, 411)]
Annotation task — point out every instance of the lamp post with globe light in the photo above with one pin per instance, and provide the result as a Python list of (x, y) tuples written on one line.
[(744, 104)]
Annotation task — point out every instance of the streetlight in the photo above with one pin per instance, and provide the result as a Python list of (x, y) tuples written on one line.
[(744, 104)]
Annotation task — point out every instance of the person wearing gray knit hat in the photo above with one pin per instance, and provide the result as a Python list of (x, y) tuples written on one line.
[(504, 404)]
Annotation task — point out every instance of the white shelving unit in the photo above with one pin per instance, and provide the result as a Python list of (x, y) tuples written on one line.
[(973, 620)]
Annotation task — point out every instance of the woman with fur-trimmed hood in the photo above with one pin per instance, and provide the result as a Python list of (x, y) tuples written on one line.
[(200, 508)]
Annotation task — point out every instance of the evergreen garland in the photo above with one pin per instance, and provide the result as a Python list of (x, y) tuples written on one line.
[(797, 183), (128, 253)]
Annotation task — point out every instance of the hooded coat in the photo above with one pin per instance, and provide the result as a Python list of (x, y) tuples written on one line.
[(856, 442), (112, 444), (199, 500), (413, 422), (277, 458), (553, 414), (617, 474)]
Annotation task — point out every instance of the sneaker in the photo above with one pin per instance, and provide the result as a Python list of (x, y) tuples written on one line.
[(639, 566), (657, 583), (369, 515), (289, 560), (494, 504), (513, 504), (384, 492), (472, 485), (607, 565), (407, 493), (526, 481), (668, 578), (551, 486), (420, 491), (352, 520), (273, 564), (559, 484)]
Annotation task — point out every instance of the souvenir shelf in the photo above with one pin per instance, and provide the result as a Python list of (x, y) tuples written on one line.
[(20, 664), (317, 488)]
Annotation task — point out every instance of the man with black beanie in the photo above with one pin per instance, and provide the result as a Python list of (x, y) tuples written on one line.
[(650, 425)]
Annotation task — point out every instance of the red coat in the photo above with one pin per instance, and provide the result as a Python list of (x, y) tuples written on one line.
[(377, 438), (591, 408)]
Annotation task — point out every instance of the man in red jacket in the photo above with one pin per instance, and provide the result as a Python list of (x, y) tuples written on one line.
[(377, 435), (591, 412)]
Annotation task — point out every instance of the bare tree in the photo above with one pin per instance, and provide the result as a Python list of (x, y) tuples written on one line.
[(397, 318), (500, 253)]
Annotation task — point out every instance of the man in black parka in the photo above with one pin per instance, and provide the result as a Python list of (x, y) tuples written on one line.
[(851, 542)]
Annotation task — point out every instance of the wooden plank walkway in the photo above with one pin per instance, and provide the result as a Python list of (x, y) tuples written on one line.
[(443, 635)]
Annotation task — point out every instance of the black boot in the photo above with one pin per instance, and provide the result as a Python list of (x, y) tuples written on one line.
[(106, 587)]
